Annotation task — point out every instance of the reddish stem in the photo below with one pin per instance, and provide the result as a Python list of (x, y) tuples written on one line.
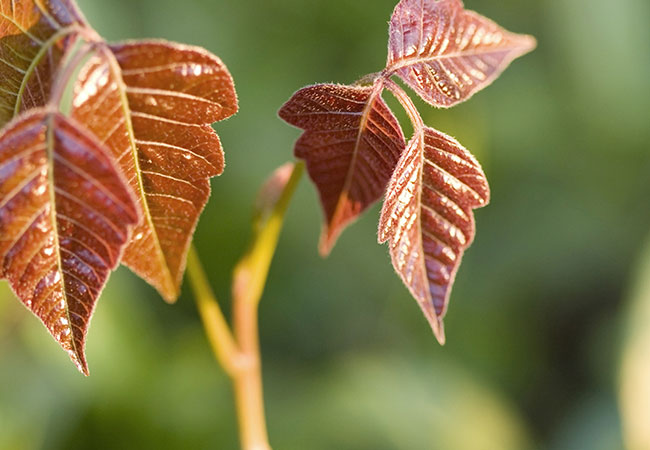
[(406, 103)]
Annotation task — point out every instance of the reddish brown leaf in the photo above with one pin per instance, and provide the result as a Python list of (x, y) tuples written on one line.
[(445, 53), (33, 37), (152, 103), (65, 216), (351, 144), (427, 217)]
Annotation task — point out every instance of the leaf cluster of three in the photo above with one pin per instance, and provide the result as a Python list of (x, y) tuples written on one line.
[(118, 171), (356, 152)]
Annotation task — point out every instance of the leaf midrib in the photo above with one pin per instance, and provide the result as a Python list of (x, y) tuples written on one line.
[(411, 61), (49, 148), (126, 109), (365, 114)]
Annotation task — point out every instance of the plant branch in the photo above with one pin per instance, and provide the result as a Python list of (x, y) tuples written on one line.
[(216, 327), (251, 271), (240, 354), (248, 285)]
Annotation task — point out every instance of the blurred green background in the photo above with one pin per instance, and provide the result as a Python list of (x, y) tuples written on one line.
[(549, 316)]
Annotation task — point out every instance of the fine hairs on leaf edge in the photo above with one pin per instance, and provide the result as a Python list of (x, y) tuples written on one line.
[(445, 253), (64, 21)]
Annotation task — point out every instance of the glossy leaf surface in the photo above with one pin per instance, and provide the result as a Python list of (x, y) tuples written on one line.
[(351, 144), (65, 217), (445, 53), (152, 104), (33, 37), (427, 217)]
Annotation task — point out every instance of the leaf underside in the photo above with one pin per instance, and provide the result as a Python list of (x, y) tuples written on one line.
[(351, 144), (427, 217), (445, 53), (152, 103), (33, 38), (65, 216)]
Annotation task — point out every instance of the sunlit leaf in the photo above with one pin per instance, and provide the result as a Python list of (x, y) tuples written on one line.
[(33, 37), (427, 217), (65, 217), (351, 144), (152, 104), (445, 53)]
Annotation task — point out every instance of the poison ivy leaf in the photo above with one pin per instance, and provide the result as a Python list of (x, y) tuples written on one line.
[(351, 144), (427, 217), (152, 104), (65, 217), (445, 53), (33, 37)]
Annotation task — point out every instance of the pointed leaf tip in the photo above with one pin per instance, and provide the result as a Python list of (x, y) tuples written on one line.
[(161, 98), (439, 330), (445, 53), (427, 218), (65, 217), (351, 144)]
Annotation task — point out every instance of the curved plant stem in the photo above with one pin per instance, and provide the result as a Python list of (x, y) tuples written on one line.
[(406, 102), (239, 353), (216, 327)]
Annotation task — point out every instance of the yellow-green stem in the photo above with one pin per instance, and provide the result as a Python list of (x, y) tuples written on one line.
[(239, 354), (252, 270), (216, 327)]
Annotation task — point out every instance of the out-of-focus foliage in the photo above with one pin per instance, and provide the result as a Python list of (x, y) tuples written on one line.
[(534, 334)]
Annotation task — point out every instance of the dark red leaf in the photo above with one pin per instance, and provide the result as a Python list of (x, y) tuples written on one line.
[(152, 103), (427, 217), (351, 144), (445, 53), (65, 217)]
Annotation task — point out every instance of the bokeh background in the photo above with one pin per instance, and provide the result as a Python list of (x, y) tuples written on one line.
[(549, 324)]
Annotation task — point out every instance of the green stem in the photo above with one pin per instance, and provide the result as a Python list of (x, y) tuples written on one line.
[(216, 327), (240, 354)]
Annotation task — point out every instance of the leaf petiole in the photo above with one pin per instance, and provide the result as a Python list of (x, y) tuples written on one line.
[(406, 102), (216, 327)]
